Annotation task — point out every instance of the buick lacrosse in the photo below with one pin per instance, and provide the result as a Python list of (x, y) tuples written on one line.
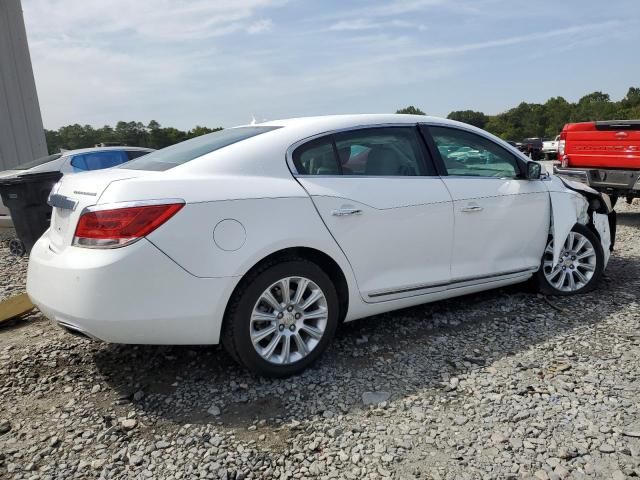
[(265, 237)]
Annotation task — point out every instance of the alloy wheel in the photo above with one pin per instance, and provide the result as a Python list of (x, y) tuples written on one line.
[(576, 265), (288, 320)]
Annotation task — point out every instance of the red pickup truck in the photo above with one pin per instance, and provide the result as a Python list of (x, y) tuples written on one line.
[(604, 155)]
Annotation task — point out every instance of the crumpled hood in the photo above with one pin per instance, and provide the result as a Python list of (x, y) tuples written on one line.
[(588, 192), (578, 186)]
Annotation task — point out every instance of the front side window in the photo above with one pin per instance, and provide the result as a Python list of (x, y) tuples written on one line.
[(468, 154), (380, 151), (98, 160)]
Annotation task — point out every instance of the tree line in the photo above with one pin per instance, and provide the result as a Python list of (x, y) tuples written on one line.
[(524, 121), (547, 119), (134, 134)]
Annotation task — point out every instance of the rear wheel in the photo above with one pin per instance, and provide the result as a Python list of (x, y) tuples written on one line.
[(282, 318), (579, 267), (17, 248)]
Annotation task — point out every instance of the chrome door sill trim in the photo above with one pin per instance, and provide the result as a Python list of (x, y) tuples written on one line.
[(452, 284)]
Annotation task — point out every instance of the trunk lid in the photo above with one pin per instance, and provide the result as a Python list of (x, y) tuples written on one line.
[(610, 144), (73, 194)]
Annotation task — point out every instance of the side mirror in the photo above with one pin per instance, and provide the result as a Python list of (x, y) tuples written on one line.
[(534, 170)]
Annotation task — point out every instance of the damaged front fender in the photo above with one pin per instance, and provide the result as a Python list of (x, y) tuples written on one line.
[(577, 203)]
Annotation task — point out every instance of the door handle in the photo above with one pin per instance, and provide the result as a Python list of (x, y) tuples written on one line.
[(472, 208), (343, 212)]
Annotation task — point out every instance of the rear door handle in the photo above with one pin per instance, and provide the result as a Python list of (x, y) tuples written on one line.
[(474, 207), (343, 212)]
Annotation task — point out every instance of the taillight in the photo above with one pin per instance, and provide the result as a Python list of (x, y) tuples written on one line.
[(561, 145), (112, 226)]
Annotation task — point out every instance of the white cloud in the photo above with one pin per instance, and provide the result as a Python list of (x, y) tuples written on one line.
[(396, 8), (212, 62), (354, 25), (160, 20), (503, 42), (260, 26), (360, 24)]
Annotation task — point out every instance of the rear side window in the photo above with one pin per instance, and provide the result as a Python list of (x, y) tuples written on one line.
[(188, 150), (380, 151), (98, 160), (385, 151), (316, 157)]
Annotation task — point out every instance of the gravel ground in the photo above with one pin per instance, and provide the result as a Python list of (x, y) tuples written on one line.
[(504, 384)]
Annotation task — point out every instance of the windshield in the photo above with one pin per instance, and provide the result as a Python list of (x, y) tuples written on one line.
[(183, 152), (38, 161)]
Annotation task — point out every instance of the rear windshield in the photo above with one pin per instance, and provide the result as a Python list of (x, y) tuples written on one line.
[(38, 161), (188, 150)]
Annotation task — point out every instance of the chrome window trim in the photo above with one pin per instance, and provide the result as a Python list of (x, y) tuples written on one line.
[(400, 177), (509, 148)]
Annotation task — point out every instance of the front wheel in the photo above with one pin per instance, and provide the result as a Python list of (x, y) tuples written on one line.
[(282, 318), (579, 267)]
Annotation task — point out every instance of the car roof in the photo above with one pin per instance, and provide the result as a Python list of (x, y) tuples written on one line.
[(303, 127), (334, 122), (264, 153)]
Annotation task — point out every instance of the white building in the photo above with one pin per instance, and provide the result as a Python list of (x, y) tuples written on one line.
[(21, 131)]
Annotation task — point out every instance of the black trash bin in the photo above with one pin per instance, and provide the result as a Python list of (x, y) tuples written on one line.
[(26, 198)]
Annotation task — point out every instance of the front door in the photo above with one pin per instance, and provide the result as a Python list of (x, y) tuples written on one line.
[(501, 218), (380, 198)]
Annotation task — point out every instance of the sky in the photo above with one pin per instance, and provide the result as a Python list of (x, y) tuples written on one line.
[(222, 62)]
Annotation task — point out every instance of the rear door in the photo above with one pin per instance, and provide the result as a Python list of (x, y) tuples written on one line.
[(501, 219), (382, 201), (610, 144)]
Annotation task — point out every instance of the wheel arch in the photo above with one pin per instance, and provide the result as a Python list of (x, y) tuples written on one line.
[(322, 259)]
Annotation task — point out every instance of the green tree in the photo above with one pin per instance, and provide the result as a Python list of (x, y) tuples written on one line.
[(135, 134), (632, 99), (198, 130), (411, 110), (471, 117), (558, 113)]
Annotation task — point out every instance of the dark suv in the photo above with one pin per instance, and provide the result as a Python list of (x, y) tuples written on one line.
[(532, 147)]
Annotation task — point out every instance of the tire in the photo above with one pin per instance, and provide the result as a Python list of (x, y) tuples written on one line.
[(548, 280), (17, 248), (613, 199), (248, 302)]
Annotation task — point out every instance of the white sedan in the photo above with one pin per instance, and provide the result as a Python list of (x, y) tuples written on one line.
[(265, 237)]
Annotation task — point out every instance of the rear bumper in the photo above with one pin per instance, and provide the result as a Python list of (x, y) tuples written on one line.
[(134, 295), (603, 179)]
